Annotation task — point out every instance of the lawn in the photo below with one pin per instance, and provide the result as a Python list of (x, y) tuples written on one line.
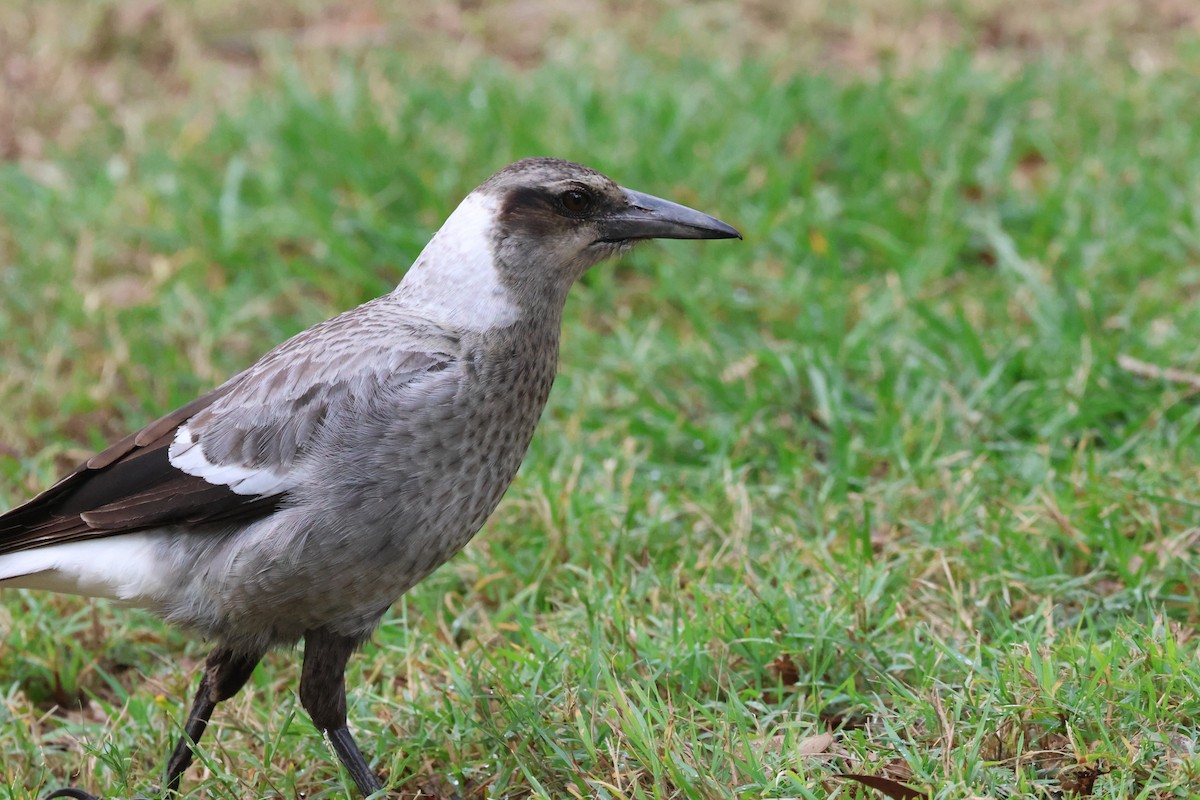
[(905, 484)]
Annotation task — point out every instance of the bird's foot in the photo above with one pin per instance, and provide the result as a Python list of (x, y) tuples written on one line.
[(72, 792), (80, 794)]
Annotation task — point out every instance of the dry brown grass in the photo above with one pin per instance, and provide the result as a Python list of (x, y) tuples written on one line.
[(62, 65)]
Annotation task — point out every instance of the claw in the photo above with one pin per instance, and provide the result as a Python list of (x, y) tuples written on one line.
[(71, 791)]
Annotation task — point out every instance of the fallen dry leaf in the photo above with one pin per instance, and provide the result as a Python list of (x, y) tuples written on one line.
[(887, 786), (814, 745)]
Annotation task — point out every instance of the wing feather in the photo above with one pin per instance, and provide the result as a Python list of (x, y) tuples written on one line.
[(233, 454)]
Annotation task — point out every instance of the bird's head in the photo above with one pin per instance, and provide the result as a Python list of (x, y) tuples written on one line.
[(529, 231), (560, 217)]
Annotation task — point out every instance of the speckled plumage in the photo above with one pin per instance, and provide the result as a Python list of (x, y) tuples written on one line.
[(302, 497), (409, 470)]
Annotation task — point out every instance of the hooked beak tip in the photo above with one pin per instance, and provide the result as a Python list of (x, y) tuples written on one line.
[(650, 217)]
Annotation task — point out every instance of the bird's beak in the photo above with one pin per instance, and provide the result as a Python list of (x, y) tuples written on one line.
[(650, 217)]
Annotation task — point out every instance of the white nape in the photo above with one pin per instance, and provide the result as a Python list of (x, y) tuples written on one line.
[(455, 279)]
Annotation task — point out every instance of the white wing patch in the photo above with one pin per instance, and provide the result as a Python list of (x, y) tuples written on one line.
[(187, 455)]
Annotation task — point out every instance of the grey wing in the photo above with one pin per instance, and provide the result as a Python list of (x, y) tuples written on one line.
[(235, 453), (254, 441)]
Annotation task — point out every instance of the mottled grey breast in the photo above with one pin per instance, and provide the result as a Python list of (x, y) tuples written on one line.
[(400, 475)]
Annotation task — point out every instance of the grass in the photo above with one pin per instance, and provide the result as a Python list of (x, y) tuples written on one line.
[(878, 471)]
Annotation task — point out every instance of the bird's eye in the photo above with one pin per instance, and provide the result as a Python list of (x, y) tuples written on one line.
[(575, 201)]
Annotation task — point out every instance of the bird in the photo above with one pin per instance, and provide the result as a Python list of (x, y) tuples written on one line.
[(302, 497)]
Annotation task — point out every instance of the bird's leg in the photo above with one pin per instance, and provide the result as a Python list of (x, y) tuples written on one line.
[(225, 672), (323, 695)]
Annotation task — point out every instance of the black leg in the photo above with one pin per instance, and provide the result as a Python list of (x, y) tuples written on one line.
[(225, 673), (323, 695)]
